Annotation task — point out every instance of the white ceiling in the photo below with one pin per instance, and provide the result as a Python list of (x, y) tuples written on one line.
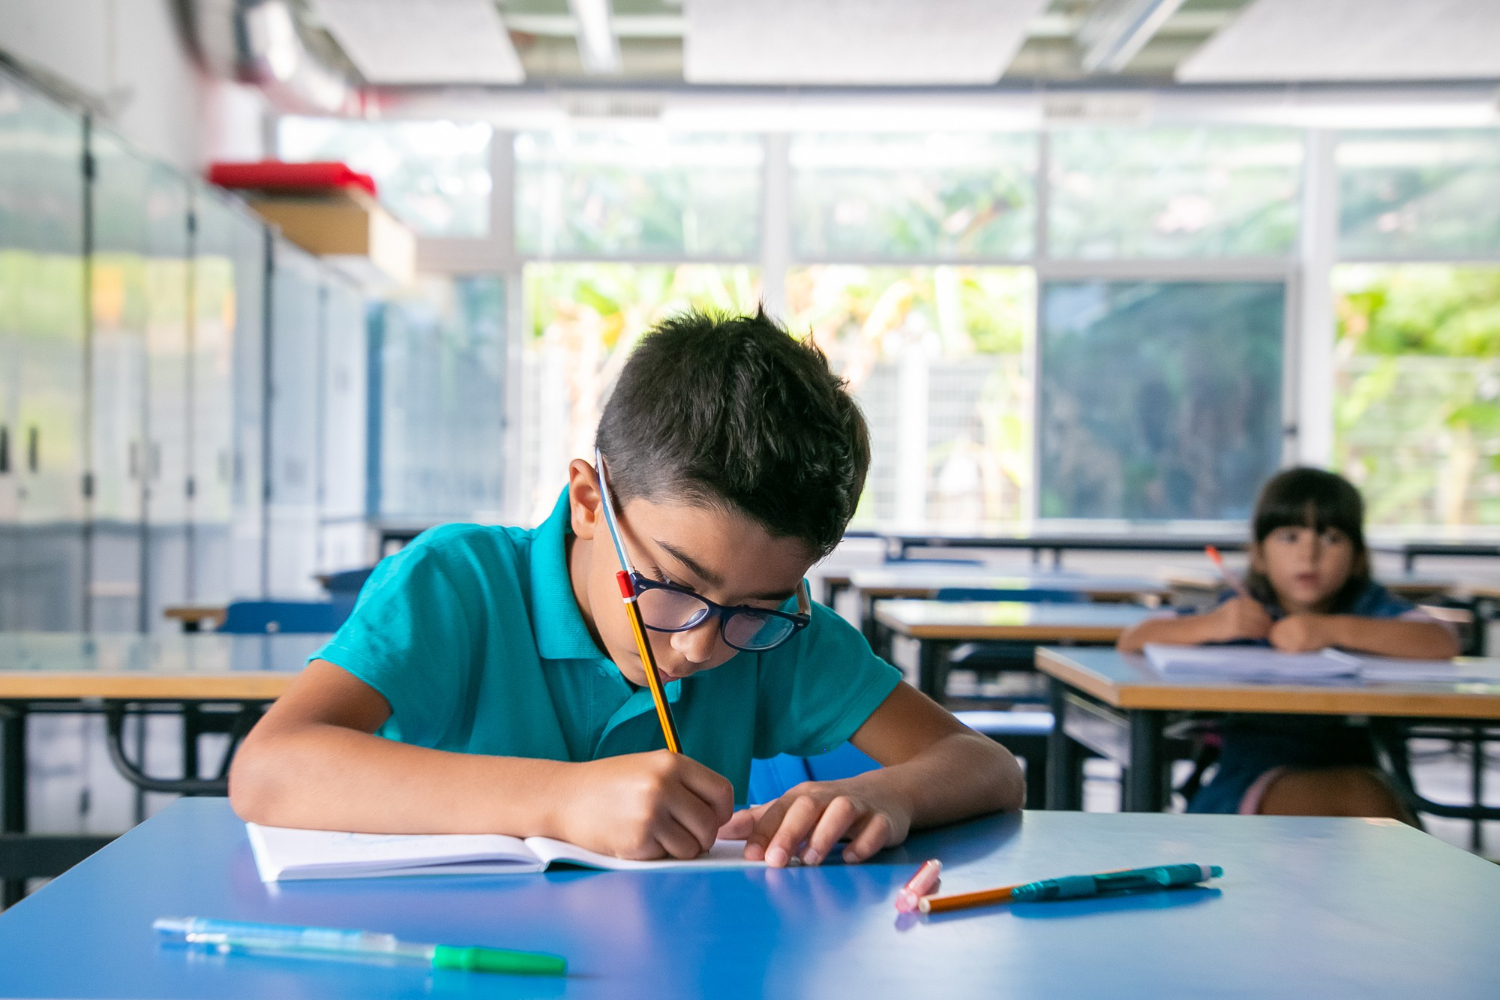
[(1282, 40), (423, 41), (885, 42)]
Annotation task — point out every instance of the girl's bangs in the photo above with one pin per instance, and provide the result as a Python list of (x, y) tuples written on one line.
[(1319, 501)]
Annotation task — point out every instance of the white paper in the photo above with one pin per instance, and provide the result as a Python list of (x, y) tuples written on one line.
[(1250, 662), (284, 854)]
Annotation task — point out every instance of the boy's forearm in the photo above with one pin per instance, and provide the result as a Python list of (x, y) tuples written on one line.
[(962, 775), (1393, 637), (334, 778)]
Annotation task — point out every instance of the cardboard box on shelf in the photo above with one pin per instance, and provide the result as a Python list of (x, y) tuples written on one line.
[(343, 223)]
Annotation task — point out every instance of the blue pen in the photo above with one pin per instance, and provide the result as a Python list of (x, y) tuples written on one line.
[(1074, 886), (277, 940)]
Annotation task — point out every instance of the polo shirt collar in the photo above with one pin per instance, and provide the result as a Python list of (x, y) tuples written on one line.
[(556, 622)]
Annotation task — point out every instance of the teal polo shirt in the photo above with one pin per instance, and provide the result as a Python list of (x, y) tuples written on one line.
[(472, 635)]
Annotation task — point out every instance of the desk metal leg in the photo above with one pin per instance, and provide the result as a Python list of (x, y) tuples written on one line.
[(12, 788), (932, 668), (1064, 762), (1145, 778)]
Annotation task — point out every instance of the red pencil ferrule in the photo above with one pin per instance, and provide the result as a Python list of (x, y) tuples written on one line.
[(627, 589)]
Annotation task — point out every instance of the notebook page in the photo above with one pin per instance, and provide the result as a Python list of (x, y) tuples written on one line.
[(724, 854), (283, 854), (1249, 662), (1395, 671)]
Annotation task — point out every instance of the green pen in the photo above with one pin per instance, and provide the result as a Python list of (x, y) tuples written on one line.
[(234, 936)]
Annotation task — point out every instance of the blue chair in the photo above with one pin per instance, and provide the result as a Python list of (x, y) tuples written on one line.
[(344, 586), (1022, 733), (257, 617)]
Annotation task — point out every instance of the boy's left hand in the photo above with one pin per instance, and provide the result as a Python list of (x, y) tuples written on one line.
[(819, 814), (1301, 633)]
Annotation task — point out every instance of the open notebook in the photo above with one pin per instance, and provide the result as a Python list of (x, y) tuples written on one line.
[(283, 854), (1262, 663)]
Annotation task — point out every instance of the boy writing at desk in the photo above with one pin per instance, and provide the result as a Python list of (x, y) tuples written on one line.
[(489, 681)]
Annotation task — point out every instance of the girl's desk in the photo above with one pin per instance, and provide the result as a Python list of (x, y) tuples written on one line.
[(937, 626), (1328, 908), (1117, 704)]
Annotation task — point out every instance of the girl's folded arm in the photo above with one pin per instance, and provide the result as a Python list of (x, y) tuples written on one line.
[(1401, 637)]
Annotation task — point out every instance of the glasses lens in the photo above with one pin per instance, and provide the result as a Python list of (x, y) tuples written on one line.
[(749, 630), (670, 610)]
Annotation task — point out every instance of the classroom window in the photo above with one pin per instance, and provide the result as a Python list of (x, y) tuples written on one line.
[(1417, 404), (1429, 193), (1159, 400), (893, 196), (433, 175), (581, 321), (641, 192), (937, 357), (1203, 191)]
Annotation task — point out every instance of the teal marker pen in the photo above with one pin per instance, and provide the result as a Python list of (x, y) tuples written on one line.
[(278, 940), (1073, 886)]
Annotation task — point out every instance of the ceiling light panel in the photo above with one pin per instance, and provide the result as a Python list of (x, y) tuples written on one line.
[(890, 42), (1353, 40), (423, 41)]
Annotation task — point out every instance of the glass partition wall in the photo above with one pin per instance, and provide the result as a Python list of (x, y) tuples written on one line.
[(1087, 321)]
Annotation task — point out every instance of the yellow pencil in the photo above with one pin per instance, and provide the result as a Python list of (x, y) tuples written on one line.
[(648, 661)]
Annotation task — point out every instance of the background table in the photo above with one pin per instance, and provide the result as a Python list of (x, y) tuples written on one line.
[(70, 671), (937, 626), (1327, 908), (1117, 704)]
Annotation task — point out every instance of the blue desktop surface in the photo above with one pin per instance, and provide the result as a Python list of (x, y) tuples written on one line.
[(1307, 907)]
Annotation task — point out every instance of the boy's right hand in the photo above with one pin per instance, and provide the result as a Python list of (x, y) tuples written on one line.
[(1240, 618), (646, 806)]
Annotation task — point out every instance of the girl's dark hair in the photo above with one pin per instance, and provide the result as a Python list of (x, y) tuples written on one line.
[(1317, 499), (734, 412)]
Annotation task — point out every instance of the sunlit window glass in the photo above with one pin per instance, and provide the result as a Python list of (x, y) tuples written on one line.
[(961, 195), (1207, 191), (433, 175), (1159, 400), (1417, 403), (1419, 193), (638, 192), (937, 357), (581, 322)]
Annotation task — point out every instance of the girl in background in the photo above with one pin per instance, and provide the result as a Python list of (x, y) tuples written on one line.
[(1310, 588)]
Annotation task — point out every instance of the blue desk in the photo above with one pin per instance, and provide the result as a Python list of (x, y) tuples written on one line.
[(1323, 908)]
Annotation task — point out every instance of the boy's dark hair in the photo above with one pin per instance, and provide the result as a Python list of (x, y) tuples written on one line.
[(1313, 498), (734, 412)]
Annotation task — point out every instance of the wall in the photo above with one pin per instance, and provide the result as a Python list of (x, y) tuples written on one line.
[(128, 59)]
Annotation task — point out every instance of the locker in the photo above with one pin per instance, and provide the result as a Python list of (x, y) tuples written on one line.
[(43, 440), (119, 247), (167, 579), (227, 398), (295, 390), (343, 423)]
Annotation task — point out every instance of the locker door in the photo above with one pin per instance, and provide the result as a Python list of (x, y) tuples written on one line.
[(292, 513), (227, 399), (345, 419), (12, 254), (167, 387), (117, 384), (48, 438)]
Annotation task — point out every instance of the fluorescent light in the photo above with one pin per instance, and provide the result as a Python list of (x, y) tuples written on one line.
[(597, 45)]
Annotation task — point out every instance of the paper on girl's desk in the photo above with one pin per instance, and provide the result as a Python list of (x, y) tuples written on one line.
[(284, 854), (1250, 662), (1260, 663)]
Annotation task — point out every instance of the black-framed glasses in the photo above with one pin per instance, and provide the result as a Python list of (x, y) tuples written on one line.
[(668, 607)]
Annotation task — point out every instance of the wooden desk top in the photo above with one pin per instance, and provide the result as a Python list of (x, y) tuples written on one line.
[(67, 666), (974, 621), (1129, 681), (197, 613), (925, 580)]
